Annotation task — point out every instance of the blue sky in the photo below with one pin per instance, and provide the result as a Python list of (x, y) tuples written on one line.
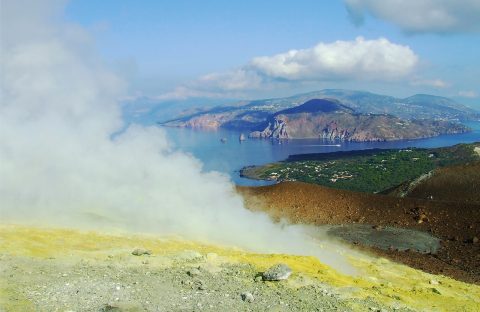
[(167, 48)]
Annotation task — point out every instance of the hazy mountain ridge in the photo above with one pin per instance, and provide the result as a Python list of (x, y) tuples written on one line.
[(345, 115), (412, 107)]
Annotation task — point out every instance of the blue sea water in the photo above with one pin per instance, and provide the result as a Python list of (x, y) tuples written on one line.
[(230, 156)]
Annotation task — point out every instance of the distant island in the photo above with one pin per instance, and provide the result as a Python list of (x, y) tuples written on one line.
[(342, 115)]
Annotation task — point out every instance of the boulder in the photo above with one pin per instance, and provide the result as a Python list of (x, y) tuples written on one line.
[(277, 272)]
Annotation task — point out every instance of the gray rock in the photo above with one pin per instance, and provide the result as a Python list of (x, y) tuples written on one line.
[(194, 272), (141, 252), (247, 297), (277, 272), (110, 308)]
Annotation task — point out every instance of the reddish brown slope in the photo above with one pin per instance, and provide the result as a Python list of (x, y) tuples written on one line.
[(456, 183), (455, 223)]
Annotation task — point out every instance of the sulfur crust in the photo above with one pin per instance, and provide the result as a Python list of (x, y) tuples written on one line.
[(383, 280)]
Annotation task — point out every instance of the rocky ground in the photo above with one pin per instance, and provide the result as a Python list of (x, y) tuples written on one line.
[(65, 270), (44, 269), (82, 286), (455, 223)]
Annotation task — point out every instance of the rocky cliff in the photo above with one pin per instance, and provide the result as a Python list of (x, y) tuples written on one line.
[(276, 128), (329, 119)]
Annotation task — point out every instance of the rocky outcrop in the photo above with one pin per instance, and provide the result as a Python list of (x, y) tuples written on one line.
[(333, 132), (276, 128), (277, 272)]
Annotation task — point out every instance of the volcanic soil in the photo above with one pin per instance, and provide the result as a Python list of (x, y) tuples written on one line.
[(460, 183), (455, 223), (52, 269)]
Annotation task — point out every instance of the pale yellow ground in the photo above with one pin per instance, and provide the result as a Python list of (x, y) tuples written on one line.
[(381, 279)]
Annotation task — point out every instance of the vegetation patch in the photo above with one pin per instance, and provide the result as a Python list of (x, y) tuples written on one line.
[(372, 171)]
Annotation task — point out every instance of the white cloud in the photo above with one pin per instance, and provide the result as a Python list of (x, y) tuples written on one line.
[(437, 16), (434, 83), (230, 84), (468, 94), (183, 92), (239, 79), (359, 59)]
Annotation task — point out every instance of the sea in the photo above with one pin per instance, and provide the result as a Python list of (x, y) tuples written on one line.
[(221, 150)]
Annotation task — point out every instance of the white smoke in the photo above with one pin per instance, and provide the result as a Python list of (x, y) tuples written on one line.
[(59, 164)]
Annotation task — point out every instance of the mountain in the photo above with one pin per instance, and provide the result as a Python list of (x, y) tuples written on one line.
[(317, 106), (248, 113), (419, 106), (148, 111), (331, 120), (363, 115)]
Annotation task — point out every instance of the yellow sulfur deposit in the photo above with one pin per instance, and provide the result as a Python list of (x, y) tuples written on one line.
[(383, 281)]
